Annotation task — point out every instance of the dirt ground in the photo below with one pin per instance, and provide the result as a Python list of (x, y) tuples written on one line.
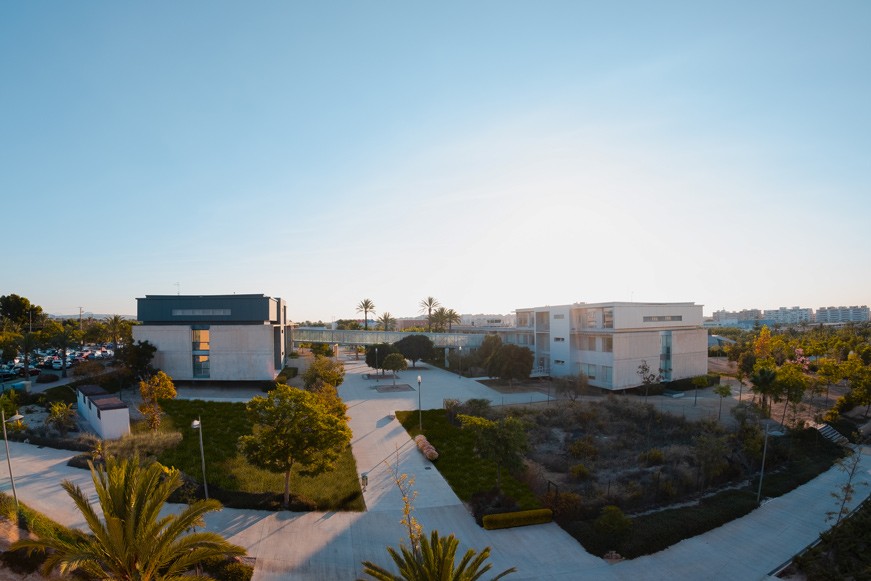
[(9, 533)]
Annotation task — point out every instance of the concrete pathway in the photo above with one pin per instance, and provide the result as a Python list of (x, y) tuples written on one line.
[(332, 545)]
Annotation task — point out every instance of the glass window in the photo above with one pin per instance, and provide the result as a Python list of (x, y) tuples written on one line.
[(608, 317), (589, 370), (607, 375), (608, 344), (201, 365), (200, 339)]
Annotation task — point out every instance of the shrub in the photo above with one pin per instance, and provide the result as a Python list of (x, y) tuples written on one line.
[(522, 518), (584, 449), (613, 525), (565, 507), (479, 407), (652, 457), (580, 472)]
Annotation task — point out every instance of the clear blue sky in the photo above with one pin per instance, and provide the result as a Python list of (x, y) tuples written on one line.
[(494, 155)]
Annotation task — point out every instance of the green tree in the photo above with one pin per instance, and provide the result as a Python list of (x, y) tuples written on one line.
[(366, 306), (293, 428), (436, 559), (427, 306), (763, 383), (452, 318), (415, 347), (571, 387), (394, 362), (439, 320), (18, 313), (386, 322), (27, 342), (116, 327), (137, 358), (647, 377), (63, 338), (375, 354), (501, 441), (324, 369), (130, 540), (724, 391), (158, 386), (511, 362), (791, 384)]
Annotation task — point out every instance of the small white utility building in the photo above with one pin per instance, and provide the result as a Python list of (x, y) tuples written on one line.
[(108, 416)]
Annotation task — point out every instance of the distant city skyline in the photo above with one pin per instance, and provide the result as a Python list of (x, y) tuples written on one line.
[(494, 155)]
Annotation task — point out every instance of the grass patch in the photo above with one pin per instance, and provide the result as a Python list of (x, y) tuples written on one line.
[(226, 469), (457, 462), (62, 393)]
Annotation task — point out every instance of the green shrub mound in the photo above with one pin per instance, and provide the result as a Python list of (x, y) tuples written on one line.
[(522, 518)]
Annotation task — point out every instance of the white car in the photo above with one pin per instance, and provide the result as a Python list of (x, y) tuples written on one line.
[(57, 364)]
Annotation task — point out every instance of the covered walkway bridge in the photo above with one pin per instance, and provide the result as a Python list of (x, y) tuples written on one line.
[(363, 338)]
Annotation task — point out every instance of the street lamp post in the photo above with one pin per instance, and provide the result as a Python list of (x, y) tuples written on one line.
[(460, 362), (376, 360), (14, 418), (419, 408), (198, 425)]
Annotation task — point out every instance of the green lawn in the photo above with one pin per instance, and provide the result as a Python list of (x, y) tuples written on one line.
[(457, 462), (232, 479)]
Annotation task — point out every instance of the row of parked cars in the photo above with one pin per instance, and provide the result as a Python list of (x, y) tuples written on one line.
[(51, 359)]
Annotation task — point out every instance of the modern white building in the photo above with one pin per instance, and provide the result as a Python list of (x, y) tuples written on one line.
[(215, 337), (107, 415), (485, 321), (609, 341), (789, 316)]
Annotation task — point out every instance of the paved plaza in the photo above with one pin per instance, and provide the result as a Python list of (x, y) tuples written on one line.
[(332, 545)]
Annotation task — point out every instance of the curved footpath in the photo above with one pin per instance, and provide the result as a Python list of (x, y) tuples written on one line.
[(332, 545)]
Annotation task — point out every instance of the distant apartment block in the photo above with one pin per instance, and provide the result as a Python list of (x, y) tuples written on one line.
[(214, 337), (608, 341), (789, 316), (843, 314)]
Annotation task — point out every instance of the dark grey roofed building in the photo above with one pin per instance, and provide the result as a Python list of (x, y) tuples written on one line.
[(215, 337)]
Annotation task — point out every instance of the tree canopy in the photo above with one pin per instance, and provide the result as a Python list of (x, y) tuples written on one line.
[(415, 347), (503, 441), (511, 362), (294, 428), (324, 369)]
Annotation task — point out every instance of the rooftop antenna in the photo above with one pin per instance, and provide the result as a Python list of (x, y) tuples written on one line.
[(178, 288)]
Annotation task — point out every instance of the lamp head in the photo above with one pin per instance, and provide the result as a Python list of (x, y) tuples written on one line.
[(195, 424)]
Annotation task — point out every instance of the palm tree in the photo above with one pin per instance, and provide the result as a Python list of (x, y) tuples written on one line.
[(114, 327), (366, 306), (435, 560), (763, 381), (452, 317), (27, 342), (427, 305), (386, 321), (63, 339), (132, 541), (439, 319)]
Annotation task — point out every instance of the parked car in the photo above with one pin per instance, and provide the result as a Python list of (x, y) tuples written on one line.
[(57, 364), (7, 373), (31, 370)]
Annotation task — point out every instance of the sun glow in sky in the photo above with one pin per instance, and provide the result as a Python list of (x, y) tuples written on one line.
[(494, 155)]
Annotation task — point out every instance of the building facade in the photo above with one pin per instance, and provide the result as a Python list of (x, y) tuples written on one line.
[(852, 314), (215, 337), (608, 342)]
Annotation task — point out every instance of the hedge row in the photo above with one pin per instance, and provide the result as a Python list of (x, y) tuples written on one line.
[(521, 518)]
